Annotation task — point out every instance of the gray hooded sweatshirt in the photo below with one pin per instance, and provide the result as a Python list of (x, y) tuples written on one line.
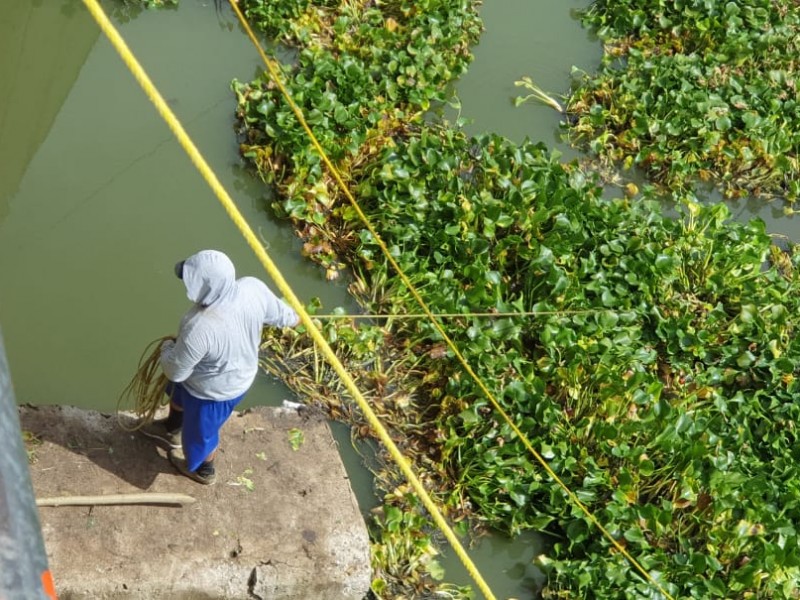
[(215, 354)]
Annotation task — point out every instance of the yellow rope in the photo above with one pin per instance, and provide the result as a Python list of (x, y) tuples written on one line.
[(230, 207), (274, 73), (533, 313)]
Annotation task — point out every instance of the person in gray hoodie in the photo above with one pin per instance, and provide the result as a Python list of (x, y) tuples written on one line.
[(213, 360)]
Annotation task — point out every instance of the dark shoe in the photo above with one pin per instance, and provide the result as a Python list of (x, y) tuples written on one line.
[(158, 431), (204, 476)]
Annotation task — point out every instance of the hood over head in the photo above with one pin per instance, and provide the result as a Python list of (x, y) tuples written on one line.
[(209, 276)]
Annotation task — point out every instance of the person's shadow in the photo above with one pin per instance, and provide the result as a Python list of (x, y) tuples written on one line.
[(64, 445)]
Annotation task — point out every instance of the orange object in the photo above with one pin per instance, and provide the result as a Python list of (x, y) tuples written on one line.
[(48, 584)]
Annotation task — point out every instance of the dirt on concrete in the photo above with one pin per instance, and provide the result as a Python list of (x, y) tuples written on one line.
[(281, 522)]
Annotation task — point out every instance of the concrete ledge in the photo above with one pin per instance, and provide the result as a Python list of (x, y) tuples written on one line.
[(279, 524)]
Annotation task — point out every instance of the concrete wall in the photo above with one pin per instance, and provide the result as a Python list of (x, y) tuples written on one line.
[(43, 45)]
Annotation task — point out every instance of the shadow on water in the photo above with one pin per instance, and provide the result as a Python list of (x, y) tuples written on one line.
[(506, 564), (358, 456)]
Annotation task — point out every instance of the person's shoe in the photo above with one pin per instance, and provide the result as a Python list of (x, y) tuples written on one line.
[(158, 431), (205, 474)]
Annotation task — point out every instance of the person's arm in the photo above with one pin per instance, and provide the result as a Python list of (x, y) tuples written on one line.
[(180, 357), (276, 312), (280, 314)]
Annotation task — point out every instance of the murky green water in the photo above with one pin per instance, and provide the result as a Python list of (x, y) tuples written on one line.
[(106, 202), (540, 39), (98, 201)]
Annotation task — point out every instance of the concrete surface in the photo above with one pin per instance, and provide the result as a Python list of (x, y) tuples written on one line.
[(279, 524)]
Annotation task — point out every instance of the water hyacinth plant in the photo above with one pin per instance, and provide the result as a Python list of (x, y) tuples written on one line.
[(652, 407), (363, 71), (661, 390), (696, 91)]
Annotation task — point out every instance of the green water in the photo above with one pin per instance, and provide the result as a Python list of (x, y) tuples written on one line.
[(92, 224), (98, 201), (540, 39)]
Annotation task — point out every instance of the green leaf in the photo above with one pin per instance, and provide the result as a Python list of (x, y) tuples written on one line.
[(435, 569), (646, 467), (664, 263), (745, 359), (634, 534), (296, 438)]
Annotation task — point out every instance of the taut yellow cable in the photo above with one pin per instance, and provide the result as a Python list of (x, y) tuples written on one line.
[(233, 212)]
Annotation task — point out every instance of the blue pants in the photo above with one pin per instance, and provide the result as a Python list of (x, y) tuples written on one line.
[(202, 421)]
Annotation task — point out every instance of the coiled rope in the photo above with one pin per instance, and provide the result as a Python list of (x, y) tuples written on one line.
[(146, 391)]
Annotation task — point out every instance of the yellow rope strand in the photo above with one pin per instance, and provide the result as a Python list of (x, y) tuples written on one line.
[(273, 71), (457, 315), (230, 207)]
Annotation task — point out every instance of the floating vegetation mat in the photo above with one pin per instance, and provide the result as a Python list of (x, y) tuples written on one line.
[(668, 407), (696, 91)]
